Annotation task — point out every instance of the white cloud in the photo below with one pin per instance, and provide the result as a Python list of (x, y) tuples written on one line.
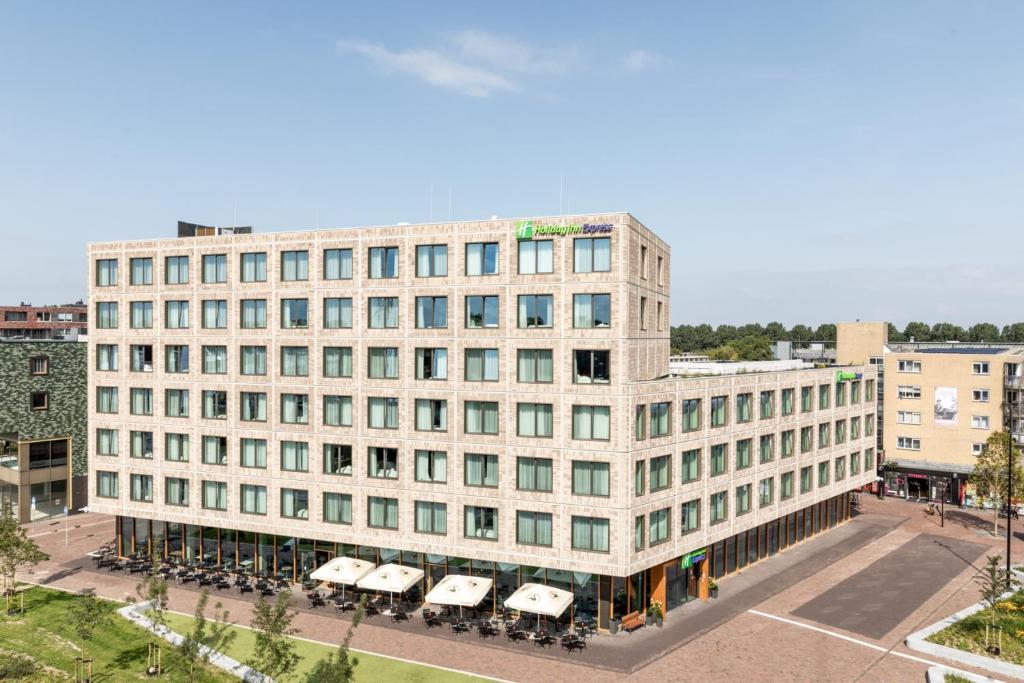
[(639, 60), (431, 66), (509, 55)]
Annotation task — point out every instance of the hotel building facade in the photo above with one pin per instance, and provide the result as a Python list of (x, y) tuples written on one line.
[(483, 397)]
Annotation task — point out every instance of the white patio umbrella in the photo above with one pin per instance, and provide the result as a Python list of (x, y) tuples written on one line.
[(392, 578), (343, 570), (456, 589), (539, 599)]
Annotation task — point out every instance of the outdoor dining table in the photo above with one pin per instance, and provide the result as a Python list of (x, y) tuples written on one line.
[(543, 639)]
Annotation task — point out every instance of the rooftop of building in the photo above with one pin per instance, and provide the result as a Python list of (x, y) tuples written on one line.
[(683, 369), (954, 347)]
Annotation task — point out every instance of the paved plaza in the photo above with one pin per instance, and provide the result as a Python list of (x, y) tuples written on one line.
[(834, 608)]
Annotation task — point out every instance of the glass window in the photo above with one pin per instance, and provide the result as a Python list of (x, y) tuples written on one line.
[(106, 399), (295, 361), (431, 518), (481, 311), (294, 265), (106, 441), (215, 314), (592, 254), (691, 414), (767, 404), (431, 415), (535, 310), (140, 271), (106, 484), (536, 256), (141, 401), (142, 488), (591, 310), (382, 362), (431, 312), (215, 268), (823, 434), (840, 468), (176, 447), (176, 270), (382, 512), (534, 366), (823, 474), (295, 408), (142, 445), (533, 528), (337, 313), (661, 466), (253, 406), (337, 361), (141, 314), (854, 392), (215, 495), (590, 478), (840, 432), (176, 315), (338, 459), (743, 448), (590, 367), (482, 258), (806, 439), (176, 491), (806, 483), (382, 412), (106, 272), (337, 264), (640, 418), (659, 526), (786, 485), (253, 453), (432, 466), (590, 533), (432, 363), (106, 315), (253, 314), (533, 474), (743, 412), (383, 312), (743, 499), (295, 503), (481, 522), (719, 411), (215, 360), (141, 356), (661, 418), (591, 423), (638, 478), (481, 469), (254, 267), (254, 499), (106, 356), (431, 260), (691, 465), (690, 518), (534, 419), (481, 417), (823, 397), (383, 262), (767, 447), (337, 508), (337, 411), (294, 456), (719, 459), (176, 402), (253, 360), (215, 450), (840, 394), (766, 492), (294, 313), (215, 405)]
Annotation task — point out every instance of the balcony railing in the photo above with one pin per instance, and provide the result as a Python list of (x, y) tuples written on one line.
[(1013, 381)]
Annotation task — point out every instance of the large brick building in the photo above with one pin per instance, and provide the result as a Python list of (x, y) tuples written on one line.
[(26, 321)]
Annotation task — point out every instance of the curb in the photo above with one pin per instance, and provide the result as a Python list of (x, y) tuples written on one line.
[(937, 674)]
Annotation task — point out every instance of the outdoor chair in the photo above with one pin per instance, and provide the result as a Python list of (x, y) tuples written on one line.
[(460, 627)]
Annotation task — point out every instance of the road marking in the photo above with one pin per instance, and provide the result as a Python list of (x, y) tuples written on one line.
[(846, 638)]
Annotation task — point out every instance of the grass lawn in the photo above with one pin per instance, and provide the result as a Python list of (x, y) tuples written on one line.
[(119, 650), (969, 634), (371, 667)]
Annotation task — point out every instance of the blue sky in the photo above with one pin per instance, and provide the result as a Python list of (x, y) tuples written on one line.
[(807, 161)]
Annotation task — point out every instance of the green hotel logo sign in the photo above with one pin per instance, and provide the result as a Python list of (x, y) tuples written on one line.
[(696, 556), (846, 376), (527, 230)]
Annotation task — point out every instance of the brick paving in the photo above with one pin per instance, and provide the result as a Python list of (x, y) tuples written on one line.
[(719, 640)]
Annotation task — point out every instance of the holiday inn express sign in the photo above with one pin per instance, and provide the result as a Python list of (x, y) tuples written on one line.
[(527, 230)]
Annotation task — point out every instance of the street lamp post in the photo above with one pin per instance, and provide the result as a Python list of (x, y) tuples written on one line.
[(1009, 489)]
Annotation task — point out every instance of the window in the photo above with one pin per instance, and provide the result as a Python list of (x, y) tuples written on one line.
[(141, 401), (788, 443), (294, 456), (215, 495), (383, 262), (976, 448), (481, 417), (638, 478), (854, 392), (253, 314), (142, 488), (840, 467), (294, 265), (767, 404), (906, 417), (806, 399), (337, 411), (176, 402), (788, 402), (786, 485), (533, 474), (140, 271), (854, 428), (338, 459), (431, 312), (980, 395), (719, 507), (743, 499), (638, 533), (215, 314), (295, 313), (806, 439), (106, 273), (176, 447), (295, 408), (382, 513), (661, 419), (142, 445), (432, 260), (337, 361), (295, 361), (823, 396), (854, 464), (106, 315), (979, 422), (806, 483), (534, 366), (481, 311), (337, 264), (106, 484), (215, 360), (536, 256), (253, 360), (767, 448), (141, 356), (590, 478), (823, 474), (641, 422), (766, 492), (254, 267), (106, 357), (533, 419), (433, 363), (383, 312), (908, 366), (840, 394), (141, 315), (591, 423), (719, 459), (382, 412), (691, 465), (481, 522), (869, 459), (533, 528), (254, 499), (591, 310), (215, 268), (535, 310), (215, 405), (743, 411), (253, 406), (719, 411), (661, 271), (824, 430), (643, 313), (840, 432), (660, 466), (643, 262), (295, 503), (176, 491), (337, 313), (382, 362), (431, 467), (176, 315), (908, 443), (482, 258), (39, 400), (481, 469), (253, 453), (691, 414), (592, 254), (431, 415), (106, 441), (743, 448), (590, 533), (908, 391), (659, 525), (106, 399), (215, 450), (337, 508), (690, 519), (431, 518)]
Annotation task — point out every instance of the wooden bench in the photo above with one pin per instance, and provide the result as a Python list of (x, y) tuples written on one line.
[(632, 621)]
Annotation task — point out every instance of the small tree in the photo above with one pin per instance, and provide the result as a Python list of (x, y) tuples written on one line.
[(88, 614), (17, 550), (153, 589), (990, 473), (205, 637), (339, 666), (275, 651)]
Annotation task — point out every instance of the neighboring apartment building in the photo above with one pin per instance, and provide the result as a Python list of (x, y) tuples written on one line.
[(482, 397), (43, 322), (43, 444)]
